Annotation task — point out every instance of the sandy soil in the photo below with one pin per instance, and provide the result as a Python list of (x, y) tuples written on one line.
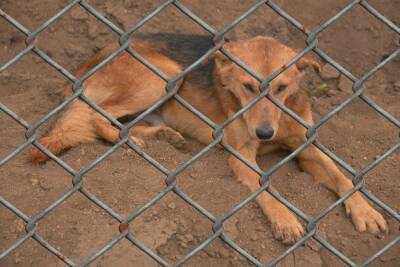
[(124, 181)]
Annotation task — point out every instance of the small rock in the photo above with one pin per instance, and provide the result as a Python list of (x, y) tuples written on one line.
[(345, 85), (34, 181), (45, 186), (19, 227), (307, 257), (331, 92), (390, 255), (170, 229), (78, 14), (128, 3), (17, 260), (52, 29), (86, 211), (396, 86), (254, 237), (172, 205), (72, 50), (231, 229), (188, 237), (183, 245), (5, 74), (313, 245), (224, 253), (117, 11), (92, 30), (328, 72)]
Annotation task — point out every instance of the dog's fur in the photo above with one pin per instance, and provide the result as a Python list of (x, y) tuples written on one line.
[(218, 89)]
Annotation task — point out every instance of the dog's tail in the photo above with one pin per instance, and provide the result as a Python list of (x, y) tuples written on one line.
[(75, 126)]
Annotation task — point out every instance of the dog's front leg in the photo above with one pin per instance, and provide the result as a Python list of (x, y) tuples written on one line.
[(322, 168), (284, 223)]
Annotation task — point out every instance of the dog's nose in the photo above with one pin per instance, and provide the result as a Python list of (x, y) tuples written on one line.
[(265, 133)]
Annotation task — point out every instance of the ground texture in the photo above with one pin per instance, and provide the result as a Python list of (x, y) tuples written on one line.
[(125, 182)]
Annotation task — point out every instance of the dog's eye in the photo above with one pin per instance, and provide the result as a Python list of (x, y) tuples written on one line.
[(249, 87), (281, 88)]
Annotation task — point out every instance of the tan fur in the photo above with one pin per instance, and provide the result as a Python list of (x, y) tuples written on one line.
[(126, 87)]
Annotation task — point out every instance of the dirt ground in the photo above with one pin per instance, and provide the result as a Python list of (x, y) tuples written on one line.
[(124, 181)]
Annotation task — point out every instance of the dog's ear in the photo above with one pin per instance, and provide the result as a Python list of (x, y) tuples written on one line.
[(306, 61), (221, 60)]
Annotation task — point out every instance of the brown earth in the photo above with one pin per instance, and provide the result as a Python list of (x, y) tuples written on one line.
[(124, 181)]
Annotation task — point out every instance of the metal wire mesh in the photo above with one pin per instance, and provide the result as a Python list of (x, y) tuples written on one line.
[(172, 88)]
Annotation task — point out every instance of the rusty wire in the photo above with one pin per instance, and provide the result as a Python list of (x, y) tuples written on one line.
[(31, 224)]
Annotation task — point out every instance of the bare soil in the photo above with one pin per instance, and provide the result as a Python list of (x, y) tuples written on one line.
[(125, 181)]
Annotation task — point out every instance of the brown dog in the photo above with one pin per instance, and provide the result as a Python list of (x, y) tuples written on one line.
[(218, 89)]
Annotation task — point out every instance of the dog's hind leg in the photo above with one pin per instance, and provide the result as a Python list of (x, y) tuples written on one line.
[(73, 127), (107, 131), (285, 225), (160, 132)]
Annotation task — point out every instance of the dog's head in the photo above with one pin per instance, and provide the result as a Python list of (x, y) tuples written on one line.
[(237, 88)]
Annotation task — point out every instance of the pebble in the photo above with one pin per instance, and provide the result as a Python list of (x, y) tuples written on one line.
[(313, 245), (224, 253), (5, 74), (254, 237), (19, 227), (34, 181), (328, 72), (92, 30), (78, 14), (183, 245), (332, 92), (396, 86), (307, 257), (72, 50), (172, 206), (45, 186), (390, 255), (345, 84), (17, 260)]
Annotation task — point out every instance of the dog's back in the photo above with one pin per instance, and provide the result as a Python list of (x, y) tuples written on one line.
[(185, 50)]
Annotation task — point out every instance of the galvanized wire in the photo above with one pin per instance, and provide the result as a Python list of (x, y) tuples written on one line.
[(170, 175)]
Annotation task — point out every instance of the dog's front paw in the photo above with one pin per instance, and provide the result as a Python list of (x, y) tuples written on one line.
[(287, 229), (364, 217), (138, 141), (172, 137)]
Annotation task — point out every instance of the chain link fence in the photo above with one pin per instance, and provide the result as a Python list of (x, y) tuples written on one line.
[(170, 175)]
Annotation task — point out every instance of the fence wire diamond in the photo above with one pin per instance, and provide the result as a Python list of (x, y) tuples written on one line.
[(170, 180)]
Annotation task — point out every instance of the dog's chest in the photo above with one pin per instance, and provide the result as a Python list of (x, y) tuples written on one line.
[(268, 147)]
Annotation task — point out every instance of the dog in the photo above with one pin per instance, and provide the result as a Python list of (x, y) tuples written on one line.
[(218, 89)]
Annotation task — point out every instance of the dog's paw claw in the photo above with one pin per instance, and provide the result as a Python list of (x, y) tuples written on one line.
[(288, 231), (172, 137), (366, 218), (138, 141)]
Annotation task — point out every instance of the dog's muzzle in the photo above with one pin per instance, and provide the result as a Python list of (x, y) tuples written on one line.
[(265, 133)]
